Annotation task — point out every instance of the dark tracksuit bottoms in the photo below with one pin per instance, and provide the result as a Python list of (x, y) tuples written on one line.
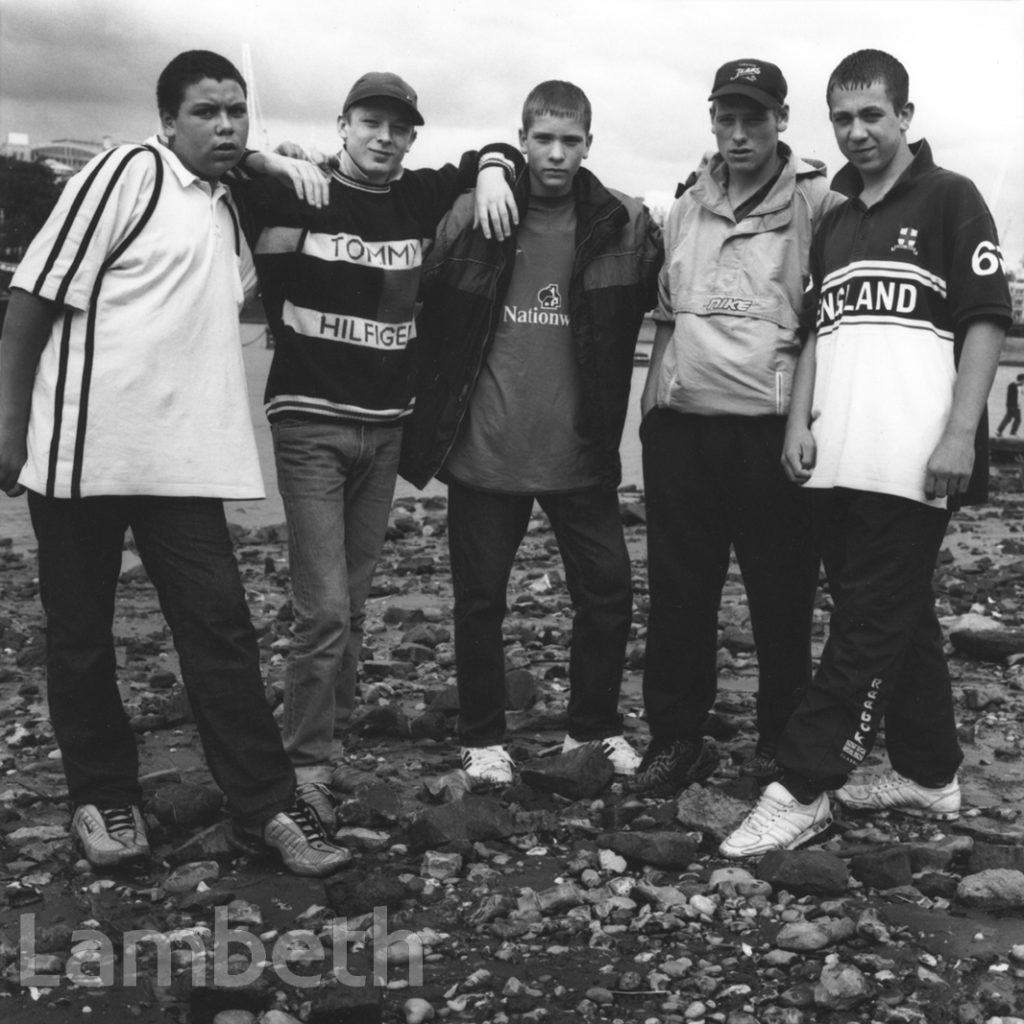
[(883, 658)]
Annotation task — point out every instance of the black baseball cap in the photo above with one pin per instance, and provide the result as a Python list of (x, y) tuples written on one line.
[(757, 79), (384, 85)]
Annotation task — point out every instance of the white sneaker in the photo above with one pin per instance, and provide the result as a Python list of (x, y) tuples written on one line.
[(778, 822), (317, 797), (488, 764), (111, 835), (305, 849), (625, 760), (891, 791)]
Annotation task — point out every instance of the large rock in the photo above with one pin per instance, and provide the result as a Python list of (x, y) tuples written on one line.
[(356, 892), (186, 877), (426, 634), (804, 872), (803, 936), (710, 811), (977, 636), (185, 805), (841, 987), (662, 849), (882, 869), (806, 936), (520, 689), (469, 820), (995, 889), (351, 1004), (987, 856), (580, 774), (212, 843), (938, 856)]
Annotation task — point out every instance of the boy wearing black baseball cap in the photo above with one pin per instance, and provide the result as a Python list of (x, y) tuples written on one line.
[(907, 284), (715, 402)]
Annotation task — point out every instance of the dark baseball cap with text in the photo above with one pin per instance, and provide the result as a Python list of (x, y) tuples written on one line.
[(757, 79)]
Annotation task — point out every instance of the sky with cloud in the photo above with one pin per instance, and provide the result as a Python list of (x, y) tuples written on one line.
[(87, 68)]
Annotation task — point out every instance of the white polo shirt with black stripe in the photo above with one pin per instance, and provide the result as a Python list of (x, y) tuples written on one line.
[(141, 386), (894, 288)]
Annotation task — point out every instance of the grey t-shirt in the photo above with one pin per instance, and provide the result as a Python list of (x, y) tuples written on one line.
[(520, 434)]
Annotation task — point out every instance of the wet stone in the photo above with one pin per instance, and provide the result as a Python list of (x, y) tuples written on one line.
[(186, 877), (986, 856), (661, 849), (355, 892), (993, 889), (841, 987), (804, 872), (472, 819), (520, 689), (578, 774), (883, 869), (184, 805), (709, 810)]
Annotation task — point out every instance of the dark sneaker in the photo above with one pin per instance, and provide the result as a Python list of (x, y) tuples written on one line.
[(111, 835), (317, 797), (305, 849), (667, 768), (762, 767)]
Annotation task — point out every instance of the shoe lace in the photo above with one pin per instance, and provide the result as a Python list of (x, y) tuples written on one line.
[(490, 757), (118, 820), (308, 822), (764, 814), (617, 744), (656, 757)]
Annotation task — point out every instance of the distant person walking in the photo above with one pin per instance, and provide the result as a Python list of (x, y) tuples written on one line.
[(1012, 417)]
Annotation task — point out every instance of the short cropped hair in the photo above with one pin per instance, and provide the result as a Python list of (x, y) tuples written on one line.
[(861, 69), (188, 68), (556, 99)]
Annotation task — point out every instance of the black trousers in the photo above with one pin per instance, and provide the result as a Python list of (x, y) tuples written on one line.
[(714, 483), (883, 658), (484, 533), (186, 549)]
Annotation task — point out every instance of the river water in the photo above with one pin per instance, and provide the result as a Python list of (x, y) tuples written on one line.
[(14, 519)]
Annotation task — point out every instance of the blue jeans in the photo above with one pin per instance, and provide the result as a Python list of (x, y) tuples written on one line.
[(484, 533), (337, 482), (186, 550)]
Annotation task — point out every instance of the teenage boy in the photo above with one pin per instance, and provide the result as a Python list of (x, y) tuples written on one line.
[(887, 429), (339, 285), (123, 404), (737, 244), (527, 358)]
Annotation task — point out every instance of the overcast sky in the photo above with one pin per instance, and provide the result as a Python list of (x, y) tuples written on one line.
[(87, 68)]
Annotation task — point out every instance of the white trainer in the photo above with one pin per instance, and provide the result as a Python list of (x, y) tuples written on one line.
[(318, 798), (625, 760), (488, 764), (110, 836), (890, 791), (778, 822)]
